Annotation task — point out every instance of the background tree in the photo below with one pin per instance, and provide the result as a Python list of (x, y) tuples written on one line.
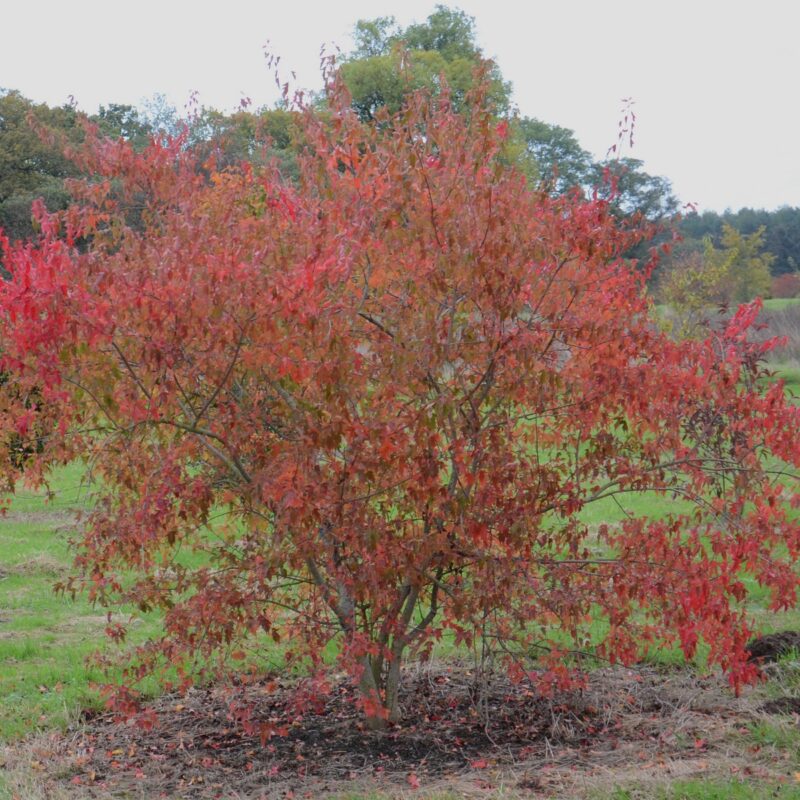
[(781, 235), (631, 190), (122, 121), (700, 278), (386, 63), (389, 62), (246, 136), (782, 239), (160, 115), (747, 272), (692, 286), (30, 166), (786, 285), (372, 37), (33, 164), (562, 163), (26, 160)]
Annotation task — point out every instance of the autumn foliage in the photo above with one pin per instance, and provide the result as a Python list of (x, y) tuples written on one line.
[(786, 285), (369, 408)]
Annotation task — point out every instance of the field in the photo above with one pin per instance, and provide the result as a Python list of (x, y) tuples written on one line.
[(781, 303)]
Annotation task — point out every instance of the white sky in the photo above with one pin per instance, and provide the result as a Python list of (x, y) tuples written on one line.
[(716, 83)]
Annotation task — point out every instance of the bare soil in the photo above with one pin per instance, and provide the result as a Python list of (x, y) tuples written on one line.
[(771, 647), (459, 734)]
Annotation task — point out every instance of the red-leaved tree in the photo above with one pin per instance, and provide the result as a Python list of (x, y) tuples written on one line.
[(786, 285), (370, 407)]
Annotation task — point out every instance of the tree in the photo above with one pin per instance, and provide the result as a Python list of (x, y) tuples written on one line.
[(631, 190), (160, 115), (786, 284), (564, 165), (119, 120), (264, 135), (373, 36), (562, 162), (368, 410), (699, 226), (735, 272), (32, 159), (692, 285), (27, 160), (388, 62), (782, 239), (747, 268), (30, 165), (448, 31), (781, 234)]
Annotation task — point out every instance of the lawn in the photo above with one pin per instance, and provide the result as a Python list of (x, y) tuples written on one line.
[(780, 303), (790, 374), (45, 639)]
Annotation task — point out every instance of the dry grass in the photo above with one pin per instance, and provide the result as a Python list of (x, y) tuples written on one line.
[(39, 564), (55, 520), (27, 770), (783, 322)]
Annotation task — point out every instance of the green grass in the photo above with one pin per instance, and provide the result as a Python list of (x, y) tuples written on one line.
[(615, 509), (790, 374), (773, 734), (710, 790), (45, 639), (779, 303)]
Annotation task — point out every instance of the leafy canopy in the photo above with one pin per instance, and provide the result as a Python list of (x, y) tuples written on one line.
[(368, 409), (735, 272), (781, 235), (388, 62)]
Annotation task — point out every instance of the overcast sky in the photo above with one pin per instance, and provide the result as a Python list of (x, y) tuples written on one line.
[(716, 83)]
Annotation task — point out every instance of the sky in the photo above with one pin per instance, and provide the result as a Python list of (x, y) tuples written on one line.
[(715, 83)]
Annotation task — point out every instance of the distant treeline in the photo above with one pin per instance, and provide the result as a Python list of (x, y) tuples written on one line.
[(781, 235)]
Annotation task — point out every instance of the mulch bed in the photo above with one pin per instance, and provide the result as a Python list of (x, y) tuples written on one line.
[(453, 726), (770, 648), (781, 705)]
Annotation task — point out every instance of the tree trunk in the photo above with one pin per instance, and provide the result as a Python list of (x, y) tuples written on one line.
[(392, 700), (385, 693)]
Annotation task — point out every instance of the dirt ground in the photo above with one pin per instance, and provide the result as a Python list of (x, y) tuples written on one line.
[(643, 725)]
